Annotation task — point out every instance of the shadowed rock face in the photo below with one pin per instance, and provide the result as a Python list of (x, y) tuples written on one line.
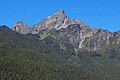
[(74, 32)]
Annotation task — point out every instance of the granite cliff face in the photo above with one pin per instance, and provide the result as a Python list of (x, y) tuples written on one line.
[(75, 32)]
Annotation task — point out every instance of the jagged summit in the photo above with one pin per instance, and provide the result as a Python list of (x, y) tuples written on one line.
[(21, 27), (59, 13), (55, 21)]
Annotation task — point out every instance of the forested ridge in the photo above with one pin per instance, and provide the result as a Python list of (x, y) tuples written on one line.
[(34, 57)]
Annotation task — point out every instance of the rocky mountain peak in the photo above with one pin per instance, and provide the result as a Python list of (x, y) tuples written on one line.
[(56, 21), (21, 27), (75, 32), (20, 23), (60, 13)]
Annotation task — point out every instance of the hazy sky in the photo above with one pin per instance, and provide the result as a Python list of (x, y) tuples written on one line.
[(104, 14)]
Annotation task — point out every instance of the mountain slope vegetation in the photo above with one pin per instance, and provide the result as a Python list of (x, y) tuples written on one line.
[(30, 57)]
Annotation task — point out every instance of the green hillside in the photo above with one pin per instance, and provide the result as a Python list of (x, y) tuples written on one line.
[(17, 63), (28, 57)]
